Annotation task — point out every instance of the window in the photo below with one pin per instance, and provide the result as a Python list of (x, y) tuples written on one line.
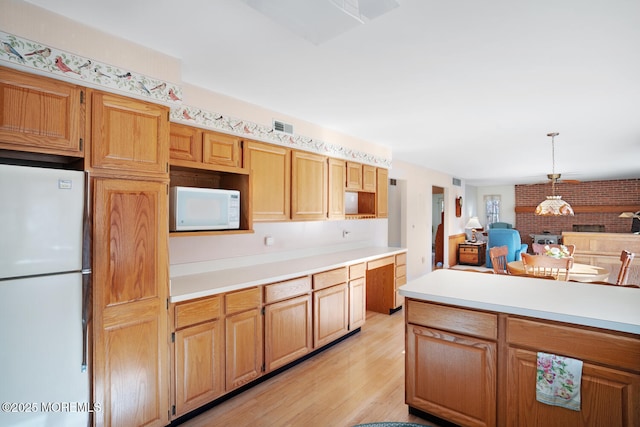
[(492, 208)]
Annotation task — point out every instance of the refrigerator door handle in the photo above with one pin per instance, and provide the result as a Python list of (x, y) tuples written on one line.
[(87, 242)]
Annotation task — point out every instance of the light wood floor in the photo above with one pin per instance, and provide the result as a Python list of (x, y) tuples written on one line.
[(360, 380)]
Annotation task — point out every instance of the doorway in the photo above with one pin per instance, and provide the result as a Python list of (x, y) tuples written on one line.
[(437, 229), (397, 207)]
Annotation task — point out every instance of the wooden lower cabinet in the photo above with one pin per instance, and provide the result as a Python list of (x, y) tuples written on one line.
[(357, 295), (199, 365), (357, 303), (609, 397), (331, 314), (243, 348), (456, 355), (287, 331), (381, 288), (451, 376), (610, 385), (198, 353)]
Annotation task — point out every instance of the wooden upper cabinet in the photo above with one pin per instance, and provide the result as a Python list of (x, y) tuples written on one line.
[(221, 149), (308, 186), (336, 189), (201, 149), (354, 176), (360, 177), (382, 193), (185, 143), (39, 114), (129, 136), (270, 168), (369, 178)]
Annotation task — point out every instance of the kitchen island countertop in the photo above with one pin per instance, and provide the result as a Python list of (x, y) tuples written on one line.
[(609, 307), (201, 284)]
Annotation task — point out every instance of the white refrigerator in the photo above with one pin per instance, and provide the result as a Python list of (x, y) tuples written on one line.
[(44, 380)]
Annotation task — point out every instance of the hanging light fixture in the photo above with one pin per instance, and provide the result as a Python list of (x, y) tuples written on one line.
[(554, 205)]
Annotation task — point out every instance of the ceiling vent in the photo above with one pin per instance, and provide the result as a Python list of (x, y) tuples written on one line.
[(457, 182), (283, 127)]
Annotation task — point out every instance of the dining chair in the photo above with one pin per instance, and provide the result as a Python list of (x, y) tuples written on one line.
[(625, 258), (538, 248), (498, 255), (543, 265)]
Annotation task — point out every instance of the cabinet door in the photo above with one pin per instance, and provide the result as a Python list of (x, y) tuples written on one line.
[(369, 178), (354, 176), (381, 285), (308, 186), (40, 114), (382, 193), (220, 149), (451, 376), (199, 365), (243, 348), (129, 135), (336, 188), (330, 314), (357, 303), (270, 168), (130, 280), (185, 144), (608, 397), (287, 331)]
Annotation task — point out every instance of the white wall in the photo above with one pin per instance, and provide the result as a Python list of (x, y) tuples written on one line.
[(507, 195), (418, 213)]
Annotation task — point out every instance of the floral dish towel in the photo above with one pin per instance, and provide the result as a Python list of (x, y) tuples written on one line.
[(558, 381)]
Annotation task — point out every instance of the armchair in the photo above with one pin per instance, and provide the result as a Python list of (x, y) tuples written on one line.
[(500, 225), (508, 237)]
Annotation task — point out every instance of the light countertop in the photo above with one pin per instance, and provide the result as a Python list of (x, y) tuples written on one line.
[(201, 284), (609, 307)]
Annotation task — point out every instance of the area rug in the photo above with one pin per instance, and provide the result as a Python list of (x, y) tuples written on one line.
[(391, 424)]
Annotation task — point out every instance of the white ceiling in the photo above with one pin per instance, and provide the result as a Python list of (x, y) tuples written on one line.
[(465, 87)]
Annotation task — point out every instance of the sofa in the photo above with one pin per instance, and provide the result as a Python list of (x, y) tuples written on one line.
[(508, 237)]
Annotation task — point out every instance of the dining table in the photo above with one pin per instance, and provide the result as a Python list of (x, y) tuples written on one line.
[(579, 272)]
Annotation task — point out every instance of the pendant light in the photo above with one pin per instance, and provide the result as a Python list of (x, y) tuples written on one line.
[(554, 205)]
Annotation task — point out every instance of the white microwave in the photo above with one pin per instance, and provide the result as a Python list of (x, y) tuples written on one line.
[(193, 209)]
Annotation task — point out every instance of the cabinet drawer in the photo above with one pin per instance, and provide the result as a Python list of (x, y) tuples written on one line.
[(453, 319), (357, 270), (401, 270), (380, 262), (621, 351), (466, 258), (468, 250), (402, 280), (242, 300), (287, 289), (401, 259), (329, 278), (193, 312)]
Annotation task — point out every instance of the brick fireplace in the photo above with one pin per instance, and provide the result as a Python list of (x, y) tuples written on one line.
[(597, 205)]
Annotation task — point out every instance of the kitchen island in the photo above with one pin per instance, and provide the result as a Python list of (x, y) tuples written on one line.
[(472, 342)]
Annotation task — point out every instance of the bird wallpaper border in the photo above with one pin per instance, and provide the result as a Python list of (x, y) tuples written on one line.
[(240, 127), (27, 53), (23, 53)]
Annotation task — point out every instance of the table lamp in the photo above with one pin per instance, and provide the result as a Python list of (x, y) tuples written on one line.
[(635, 223), (473, 224)]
